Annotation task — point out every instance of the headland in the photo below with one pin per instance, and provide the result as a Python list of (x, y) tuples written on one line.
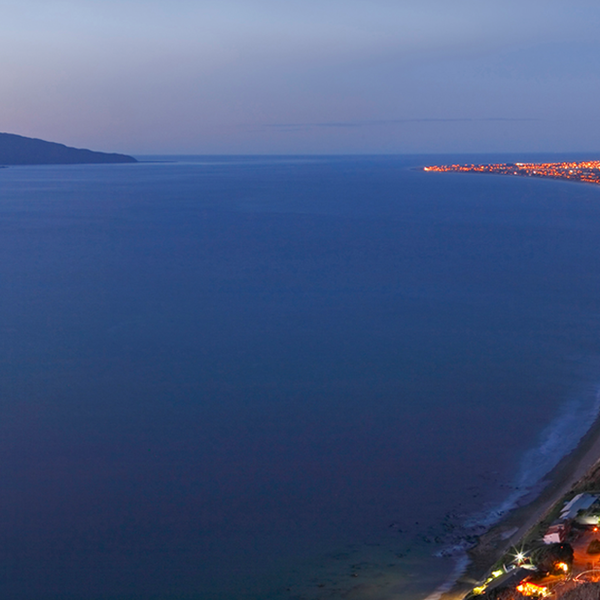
[(585, 171), (19, 150)]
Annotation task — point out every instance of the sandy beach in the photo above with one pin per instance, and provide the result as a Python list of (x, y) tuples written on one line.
[(573, 471), (375, 573)]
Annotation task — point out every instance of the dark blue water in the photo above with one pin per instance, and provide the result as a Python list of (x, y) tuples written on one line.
[(213, 371)]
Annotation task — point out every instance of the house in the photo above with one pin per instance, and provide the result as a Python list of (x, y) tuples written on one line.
[(557, 532), (579, 502), (509, 579)]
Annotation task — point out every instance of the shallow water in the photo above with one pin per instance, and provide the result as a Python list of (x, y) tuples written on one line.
[(219, 376)]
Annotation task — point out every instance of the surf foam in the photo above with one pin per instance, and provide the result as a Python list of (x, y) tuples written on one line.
[(560, 437)]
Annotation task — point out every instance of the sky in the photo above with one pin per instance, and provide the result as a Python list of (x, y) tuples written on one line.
[(303, 76)]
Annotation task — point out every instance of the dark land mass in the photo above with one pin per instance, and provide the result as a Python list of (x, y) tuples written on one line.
[(19, 150)]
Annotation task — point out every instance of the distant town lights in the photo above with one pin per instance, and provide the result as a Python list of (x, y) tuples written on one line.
[(586, 171)]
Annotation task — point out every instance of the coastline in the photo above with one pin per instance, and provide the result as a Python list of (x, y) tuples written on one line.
[(573, 470), (384, 577), (584, 172)]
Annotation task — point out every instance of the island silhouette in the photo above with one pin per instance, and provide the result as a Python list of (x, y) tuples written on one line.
[(20, 150)]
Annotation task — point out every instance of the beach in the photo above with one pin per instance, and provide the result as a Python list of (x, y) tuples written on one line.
[(324, 370), (375, 573), (571, 473)]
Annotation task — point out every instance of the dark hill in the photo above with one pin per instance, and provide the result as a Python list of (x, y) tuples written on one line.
[(19, 150)]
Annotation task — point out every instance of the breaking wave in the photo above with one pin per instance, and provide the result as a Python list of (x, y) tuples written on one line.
[(559, 438), (459, 568)]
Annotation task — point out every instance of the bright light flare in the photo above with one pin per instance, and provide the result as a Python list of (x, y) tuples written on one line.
[(562, 566), (531, 589)]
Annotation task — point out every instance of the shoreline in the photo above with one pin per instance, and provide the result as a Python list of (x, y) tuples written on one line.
[(584, 172), (359, 575), (573, 470)]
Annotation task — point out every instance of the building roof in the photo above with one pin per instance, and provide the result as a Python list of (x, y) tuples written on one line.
[(510, 579), (579, 502)]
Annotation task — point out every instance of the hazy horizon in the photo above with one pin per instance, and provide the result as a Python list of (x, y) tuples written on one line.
[(337, 77)]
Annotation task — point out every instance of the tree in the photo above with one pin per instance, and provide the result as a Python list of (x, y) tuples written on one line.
[(547, 557)]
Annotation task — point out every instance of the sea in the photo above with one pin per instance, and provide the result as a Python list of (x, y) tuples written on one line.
[(282, 378)]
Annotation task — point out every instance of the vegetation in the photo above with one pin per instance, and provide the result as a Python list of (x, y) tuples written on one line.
[(546, 557)]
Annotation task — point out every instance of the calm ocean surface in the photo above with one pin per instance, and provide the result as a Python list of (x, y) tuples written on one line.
[(229, 378)]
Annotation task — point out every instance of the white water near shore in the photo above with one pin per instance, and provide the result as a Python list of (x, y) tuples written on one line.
[(461, 564), (557, 440), (323, 355)]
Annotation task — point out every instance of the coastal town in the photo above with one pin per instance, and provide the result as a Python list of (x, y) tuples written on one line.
[(559, 558), (557, 555), (586, 171)]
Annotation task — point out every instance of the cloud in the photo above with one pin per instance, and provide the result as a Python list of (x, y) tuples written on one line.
[(384, 122)]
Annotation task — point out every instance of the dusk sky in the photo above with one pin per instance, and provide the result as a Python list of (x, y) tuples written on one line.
[(326, 76)]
